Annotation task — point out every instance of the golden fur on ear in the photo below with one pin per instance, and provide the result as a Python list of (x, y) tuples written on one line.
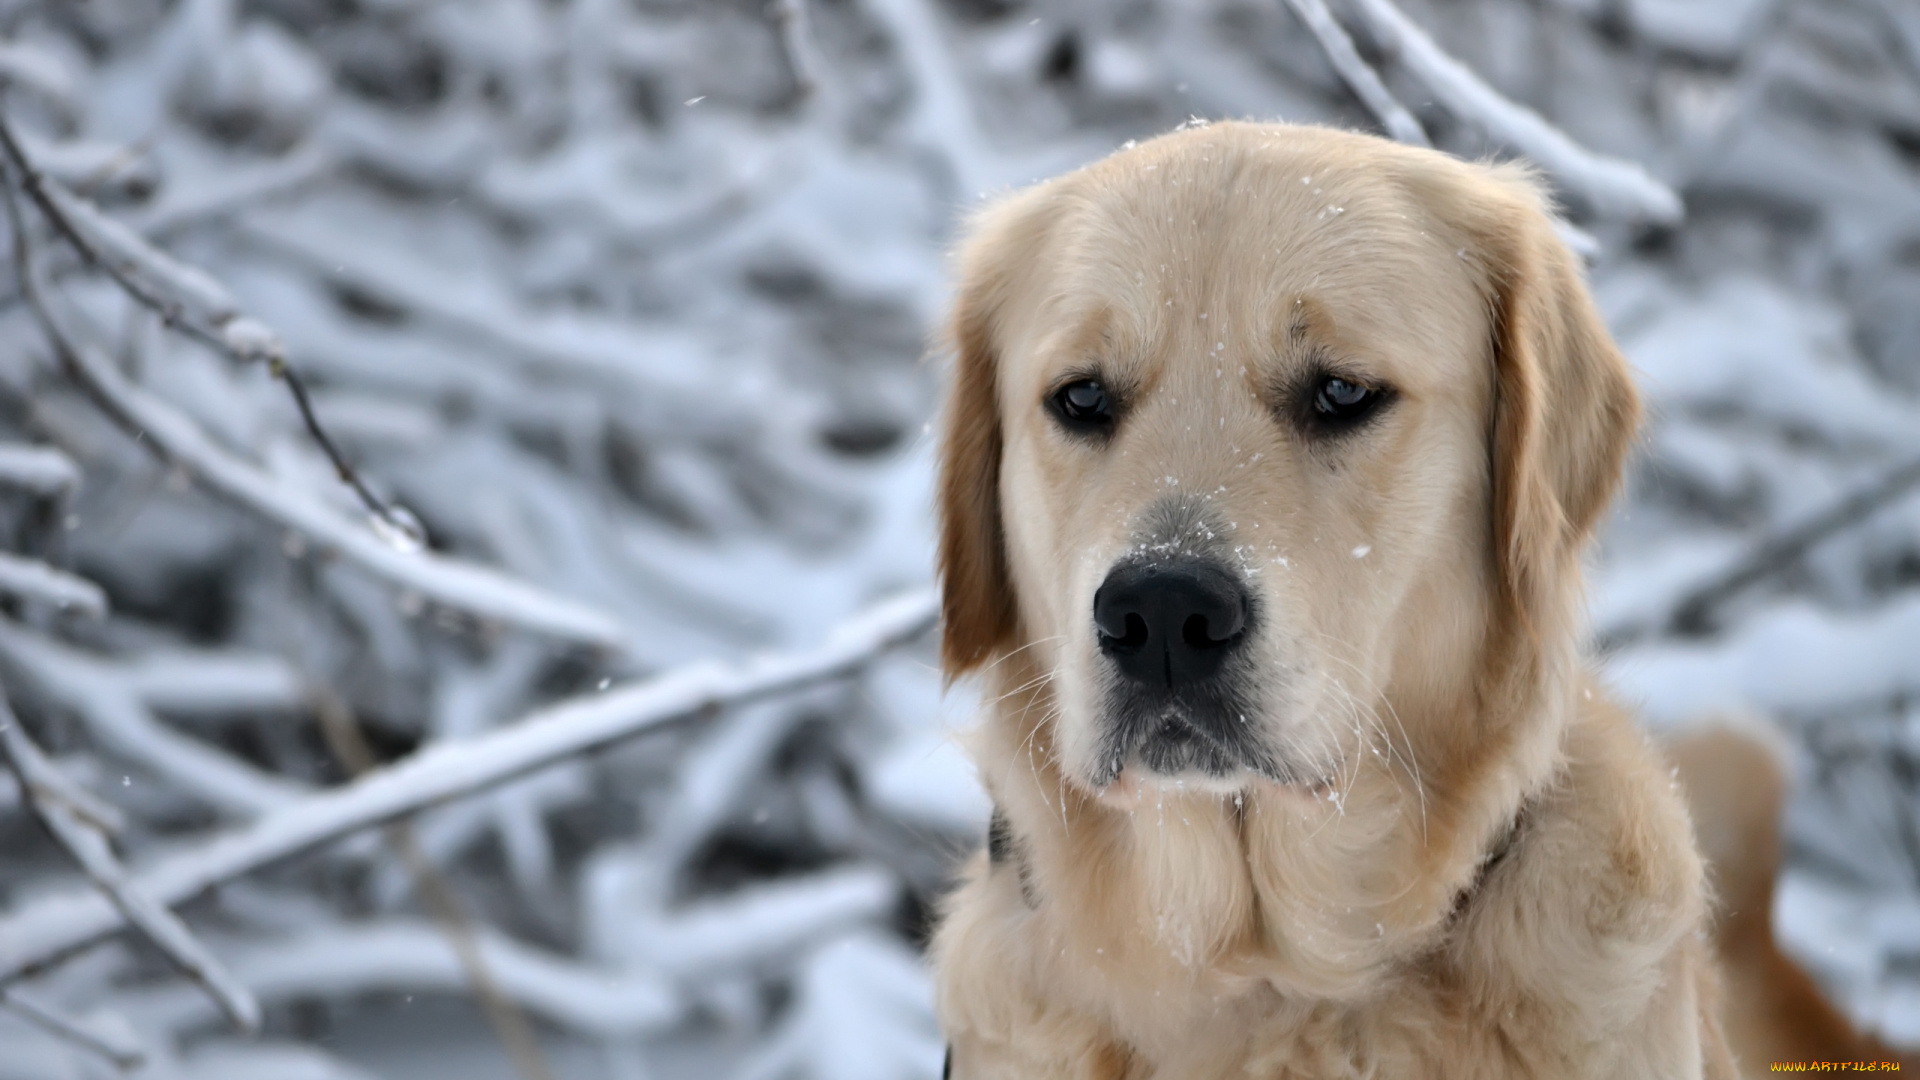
[(977, 605), (1565, 408)]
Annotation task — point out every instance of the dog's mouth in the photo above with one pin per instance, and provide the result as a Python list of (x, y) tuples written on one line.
[(1178, 746), (1210, 743), (1177, 754)]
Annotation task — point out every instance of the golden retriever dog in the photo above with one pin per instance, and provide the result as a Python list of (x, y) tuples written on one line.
[(1269, 462)]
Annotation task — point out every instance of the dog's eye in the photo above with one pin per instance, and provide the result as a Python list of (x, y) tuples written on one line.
[(1342, 402), (1084, 405)]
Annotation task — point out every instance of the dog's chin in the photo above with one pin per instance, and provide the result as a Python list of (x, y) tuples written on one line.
[(1137, 785), (1176, 757)]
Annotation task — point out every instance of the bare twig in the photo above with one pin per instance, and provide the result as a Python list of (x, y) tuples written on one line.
[(348, 743), (1355, 72), (168, 433), (1694, 611), (56, 926), (1610, 185), (190, 301), (796, 37), (89, 848), (125, 1054)]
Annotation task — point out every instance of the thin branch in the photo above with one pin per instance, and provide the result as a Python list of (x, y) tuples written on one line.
[(677, 397), (349, 744), (89, 848), (229, 195), (125, 1054), (170, 434), (796, 38), (189, 300), (1694, 611), (31, 579), (52, 927), (409, 955), (180, 209), (1612, 186), (42, 783), (121, 721), (631, 983), (941, 116), (1355, 72)]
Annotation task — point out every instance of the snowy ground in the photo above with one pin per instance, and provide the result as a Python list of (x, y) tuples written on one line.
[(625, 301)]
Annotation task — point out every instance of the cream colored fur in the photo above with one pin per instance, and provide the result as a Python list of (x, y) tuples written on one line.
[(1420, 653)]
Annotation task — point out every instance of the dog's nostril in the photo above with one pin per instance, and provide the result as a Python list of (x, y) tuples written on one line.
[(1132, 635), (1198, 633)]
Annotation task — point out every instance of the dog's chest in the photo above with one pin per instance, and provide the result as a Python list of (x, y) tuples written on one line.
[(1410, 1032)]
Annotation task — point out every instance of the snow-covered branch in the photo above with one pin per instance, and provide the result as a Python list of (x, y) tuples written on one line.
[(41, 470), (187, 299), (636, 994), (171, 434), (121, 719), (1613, 187), (87, 844), (50, 928), (413, 955), (31, 579), (1697, 605), (1355, 72), (124, 1053)]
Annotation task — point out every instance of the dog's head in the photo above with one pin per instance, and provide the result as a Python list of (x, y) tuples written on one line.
[(1259, 437)]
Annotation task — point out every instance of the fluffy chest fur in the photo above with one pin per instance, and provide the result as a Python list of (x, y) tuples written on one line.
[(1198, 937)]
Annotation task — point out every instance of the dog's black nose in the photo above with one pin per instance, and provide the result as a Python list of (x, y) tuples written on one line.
[(1170, 622)]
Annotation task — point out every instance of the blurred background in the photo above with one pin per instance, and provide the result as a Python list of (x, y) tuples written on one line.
[(619, 311)]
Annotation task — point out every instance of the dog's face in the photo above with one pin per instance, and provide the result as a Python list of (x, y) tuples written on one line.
[(1245, 445), (1238, 398)]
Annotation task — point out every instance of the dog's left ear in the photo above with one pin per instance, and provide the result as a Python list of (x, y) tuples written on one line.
[(1565, 408), (995, 265)]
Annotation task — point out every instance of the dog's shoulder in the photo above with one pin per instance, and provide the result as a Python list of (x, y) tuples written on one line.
[(1591, 924), (1614, 827)]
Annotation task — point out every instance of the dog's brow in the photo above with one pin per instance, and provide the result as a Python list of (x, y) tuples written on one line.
[(1309, 320)]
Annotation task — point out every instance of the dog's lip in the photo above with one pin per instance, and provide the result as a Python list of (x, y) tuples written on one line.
[(1131, 786)]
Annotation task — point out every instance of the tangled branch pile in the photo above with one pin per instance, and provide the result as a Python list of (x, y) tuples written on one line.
[(613, 310)]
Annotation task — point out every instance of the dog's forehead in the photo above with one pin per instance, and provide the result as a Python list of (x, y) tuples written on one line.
[(1227, 237)]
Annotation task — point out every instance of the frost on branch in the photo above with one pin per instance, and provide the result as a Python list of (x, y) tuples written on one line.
[(615, 310)]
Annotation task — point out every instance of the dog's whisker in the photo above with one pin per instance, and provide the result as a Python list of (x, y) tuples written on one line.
[(1374, 694), (1004, 658)]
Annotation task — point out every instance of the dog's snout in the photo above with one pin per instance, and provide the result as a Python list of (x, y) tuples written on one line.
[(1170, 623)]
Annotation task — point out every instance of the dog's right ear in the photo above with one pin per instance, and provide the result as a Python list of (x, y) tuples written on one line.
[(995, 263)]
